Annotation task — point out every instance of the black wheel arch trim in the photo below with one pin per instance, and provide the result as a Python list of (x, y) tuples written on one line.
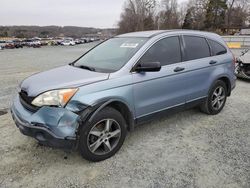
[(90, 112), (227, 81)]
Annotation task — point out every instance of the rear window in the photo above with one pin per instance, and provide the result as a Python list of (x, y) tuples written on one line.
[(196, 48), (217, 49)]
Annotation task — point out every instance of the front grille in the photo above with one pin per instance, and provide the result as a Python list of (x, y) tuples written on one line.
[(26, 101)]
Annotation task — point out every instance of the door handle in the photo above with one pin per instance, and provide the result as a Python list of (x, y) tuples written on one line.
[(179, 69), (212, 62)]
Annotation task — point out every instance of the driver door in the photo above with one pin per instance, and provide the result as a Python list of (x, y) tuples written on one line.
[(158, 91)]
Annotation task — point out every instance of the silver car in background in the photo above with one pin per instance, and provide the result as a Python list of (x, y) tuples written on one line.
[(242, 69)]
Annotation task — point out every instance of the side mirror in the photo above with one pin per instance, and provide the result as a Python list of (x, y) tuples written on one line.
[(148, 67)]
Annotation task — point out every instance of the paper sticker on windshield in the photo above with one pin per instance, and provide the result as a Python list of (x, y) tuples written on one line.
[(129, 45)]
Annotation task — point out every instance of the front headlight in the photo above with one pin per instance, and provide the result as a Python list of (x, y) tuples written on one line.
[(54, 98)]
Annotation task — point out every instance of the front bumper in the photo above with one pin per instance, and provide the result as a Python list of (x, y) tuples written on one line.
[(51, 126)]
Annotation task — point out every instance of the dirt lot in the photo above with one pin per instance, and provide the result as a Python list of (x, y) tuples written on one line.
[(188, 149)]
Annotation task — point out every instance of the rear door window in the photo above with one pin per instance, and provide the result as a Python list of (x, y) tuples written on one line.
[(217, 49), (196, 48)]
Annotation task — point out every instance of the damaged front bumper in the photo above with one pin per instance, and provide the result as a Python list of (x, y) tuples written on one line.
[(51, 126)]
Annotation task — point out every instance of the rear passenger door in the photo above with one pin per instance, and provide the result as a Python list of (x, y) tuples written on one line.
[(200, 66)]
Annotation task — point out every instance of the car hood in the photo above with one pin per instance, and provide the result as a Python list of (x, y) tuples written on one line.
[(58, 78), (245, 59)]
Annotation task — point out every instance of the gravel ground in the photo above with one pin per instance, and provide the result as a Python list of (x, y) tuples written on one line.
[(188, 149)]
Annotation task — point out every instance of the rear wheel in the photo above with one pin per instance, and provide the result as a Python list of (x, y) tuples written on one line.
[(216, 99), (104, 136)]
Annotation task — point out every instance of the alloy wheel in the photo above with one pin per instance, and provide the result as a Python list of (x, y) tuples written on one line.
[(104, 136), (218, 98)]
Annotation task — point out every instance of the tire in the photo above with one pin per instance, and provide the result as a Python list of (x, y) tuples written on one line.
[(96, 133), (209, 107), (245, 75)]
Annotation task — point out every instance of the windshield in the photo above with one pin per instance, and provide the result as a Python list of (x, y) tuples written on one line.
[(110, 55)]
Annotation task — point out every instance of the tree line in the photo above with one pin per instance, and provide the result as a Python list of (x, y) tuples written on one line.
[(221, 16), (49, 31)]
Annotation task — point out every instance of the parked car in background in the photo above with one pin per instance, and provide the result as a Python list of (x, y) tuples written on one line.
[(88, 40), (27, 42), (36, 44), (244, 32), (18, 43), (44, 43), (78, 41), (242, 69), (2, 44), (84, 40), (91, 103), (9, 45), (68, 43), (32, 43), (13, 44)]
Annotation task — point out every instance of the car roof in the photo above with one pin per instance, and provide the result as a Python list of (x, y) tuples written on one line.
[(153, 33), (147, 34)]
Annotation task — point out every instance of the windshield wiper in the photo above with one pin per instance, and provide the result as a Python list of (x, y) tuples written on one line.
[(86, 67)]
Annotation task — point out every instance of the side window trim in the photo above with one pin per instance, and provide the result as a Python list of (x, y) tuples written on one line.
[(146, 50), (210, 48), (184, 46), (183, 50)]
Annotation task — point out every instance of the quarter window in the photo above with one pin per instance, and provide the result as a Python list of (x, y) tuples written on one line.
[(217, 49), (166, 51), (196, 48)]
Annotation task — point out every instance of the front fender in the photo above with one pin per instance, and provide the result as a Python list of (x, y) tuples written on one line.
[(119, 89)]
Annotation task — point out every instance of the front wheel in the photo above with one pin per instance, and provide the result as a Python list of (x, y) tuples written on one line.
[(216, 99), (246, 72), (103, 136)]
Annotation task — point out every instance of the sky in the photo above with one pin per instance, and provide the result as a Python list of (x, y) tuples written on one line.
[(85, 13)]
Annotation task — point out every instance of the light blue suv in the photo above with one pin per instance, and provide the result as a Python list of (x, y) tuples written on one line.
[(91, 103)]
